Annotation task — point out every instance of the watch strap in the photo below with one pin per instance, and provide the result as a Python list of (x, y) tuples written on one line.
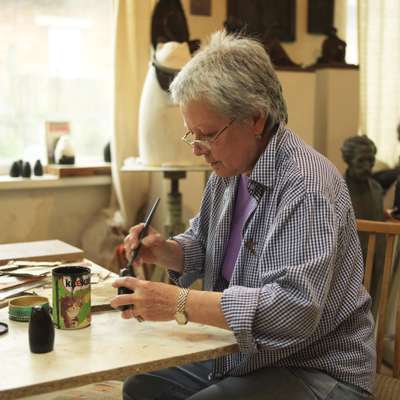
[(182, 298)]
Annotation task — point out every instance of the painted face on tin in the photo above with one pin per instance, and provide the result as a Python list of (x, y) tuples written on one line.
[(236, 150), (73, 310)]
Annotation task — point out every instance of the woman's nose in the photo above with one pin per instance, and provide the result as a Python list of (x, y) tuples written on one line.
[(199, 150)]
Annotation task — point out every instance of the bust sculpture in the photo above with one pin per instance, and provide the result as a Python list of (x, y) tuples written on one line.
[(160, 123), (366, 195)]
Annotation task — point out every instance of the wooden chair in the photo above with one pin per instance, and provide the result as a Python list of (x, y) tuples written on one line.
[(387, 387)]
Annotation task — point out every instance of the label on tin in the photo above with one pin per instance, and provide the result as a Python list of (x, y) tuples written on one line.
[(71, 297)]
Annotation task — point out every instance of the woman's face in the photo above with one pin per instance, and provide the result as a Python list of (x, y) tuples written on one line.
[(236, 149)]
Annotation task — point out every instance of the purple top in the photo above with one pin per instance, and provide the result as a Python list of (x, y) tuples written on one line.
[(244, 206)]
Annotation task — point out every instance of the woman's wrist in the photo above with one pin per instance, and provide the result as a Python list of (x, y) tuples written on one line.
[(173, 258)]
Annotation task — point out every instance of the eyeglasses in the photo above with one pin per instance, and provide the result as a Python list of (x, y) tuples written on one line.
[(190, 138)]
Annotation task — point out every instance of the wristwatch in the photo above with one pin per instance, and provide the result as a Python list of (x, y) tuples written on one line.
[(180, 314)]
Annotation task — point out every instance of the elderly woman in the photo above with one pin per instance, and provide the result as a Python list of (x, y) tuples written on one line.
[(274, 241)]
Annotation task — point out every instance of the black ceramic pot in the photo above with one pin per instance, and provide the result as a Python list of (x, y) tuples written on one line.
[(41, 331)]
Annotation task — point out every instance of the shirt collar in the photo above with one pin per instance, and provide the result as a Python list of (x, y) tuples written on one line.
[(264, 172)]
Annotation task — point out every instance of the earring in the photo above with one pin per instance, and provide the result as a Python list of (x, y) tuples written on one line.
[(259, 136)]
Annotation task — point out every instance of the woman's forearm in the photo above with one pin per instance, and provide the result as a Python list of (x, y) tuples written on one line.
[(205, 308)]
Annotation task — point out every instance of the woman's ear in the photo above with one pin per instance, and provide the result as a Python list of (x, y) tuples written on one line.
[(259, 122)]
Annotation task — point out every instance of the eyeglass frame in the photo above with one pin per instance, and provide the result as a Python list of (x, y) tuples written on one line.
[(206, 143)]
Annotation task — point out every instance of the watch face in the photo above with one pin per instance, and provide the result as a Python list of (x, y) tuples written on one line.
[(181, 318)]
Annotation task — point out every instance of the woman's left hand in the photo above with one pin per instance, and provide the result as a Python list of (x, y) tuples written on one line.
[(152, 301)]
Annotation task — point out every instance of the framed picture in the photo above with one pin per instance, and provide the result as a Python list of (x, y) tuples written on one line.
[(54, 130), (320, 16), (200, 7), (263, 16)]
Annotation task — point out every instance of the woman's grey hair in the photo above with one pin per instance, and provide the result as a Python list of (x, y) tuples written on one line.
[(354, 144), (234, 74)]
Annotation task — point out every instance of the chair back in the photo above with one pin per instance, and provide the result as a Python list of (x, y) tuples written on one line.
[(390, 230)]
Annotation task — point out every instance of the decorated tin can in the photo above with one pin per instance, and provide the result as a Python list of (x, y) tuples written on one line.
[(71, 297)]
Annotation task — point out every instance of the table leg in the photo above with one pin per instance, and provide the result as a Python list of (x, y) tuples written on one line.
[(174, 223)]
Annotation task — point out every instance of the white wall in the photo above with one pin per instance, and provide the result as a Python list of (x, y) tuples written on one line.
[(336, 110), (299, 90)]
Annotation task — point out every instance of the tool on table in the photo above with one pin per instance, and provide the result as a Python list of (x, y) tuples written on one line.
[(128, 270)]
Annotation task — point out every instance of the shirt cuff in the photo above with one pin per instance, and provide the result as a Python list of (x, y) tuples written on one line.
[(193, 261), (239, 305)]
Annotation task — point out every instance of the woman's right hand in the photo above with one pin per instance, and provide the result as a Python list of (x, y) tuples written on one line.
[(154, 247)]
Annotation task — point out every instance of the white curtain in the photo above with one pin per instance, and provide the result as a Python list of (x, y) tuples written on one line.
[(132, 52), (379, 40)]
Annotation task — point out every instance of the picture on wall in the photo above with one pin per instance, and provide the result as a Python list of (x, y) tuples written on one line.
[(266, 17), (320, 16), (200, 7)]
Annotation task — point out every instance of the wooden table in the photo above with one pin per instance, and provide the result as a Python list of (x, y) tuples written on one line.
[(111, 348)]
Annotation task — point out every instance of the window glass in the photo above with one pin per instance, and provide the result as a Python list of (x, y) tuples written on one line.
[(352, 32), (56, 64)]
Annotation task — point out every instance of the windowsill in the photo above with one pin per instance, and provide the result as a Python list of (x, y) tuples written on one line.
[(51, 181)]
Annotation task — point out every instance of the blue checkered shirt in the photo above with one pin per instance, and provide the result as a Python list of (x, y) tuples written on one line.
[(296, 297)]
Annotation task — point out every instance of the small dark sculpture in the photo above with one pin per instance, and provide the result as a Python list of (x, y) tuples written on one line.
[(15, 170), (276, 52), (333, 49), (366, 197), (26, 170), (38, 168), (107, 152), (168, 23)]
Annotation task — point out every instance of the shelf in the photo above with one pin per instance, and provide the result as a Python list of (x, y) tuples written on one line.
[(132, 167), (78, 170), (52, 181)]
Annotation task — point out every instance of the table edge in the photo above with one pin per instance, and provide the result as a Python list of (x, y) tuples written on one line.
[(115, 374)]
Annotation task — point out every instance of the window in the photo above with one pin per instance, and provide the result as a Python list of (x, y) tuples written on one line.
[(352, 32), (56, 64)]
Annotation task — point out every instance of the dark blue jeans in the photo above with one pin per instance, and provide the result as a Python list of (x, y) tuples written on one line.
[(192, 382)]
